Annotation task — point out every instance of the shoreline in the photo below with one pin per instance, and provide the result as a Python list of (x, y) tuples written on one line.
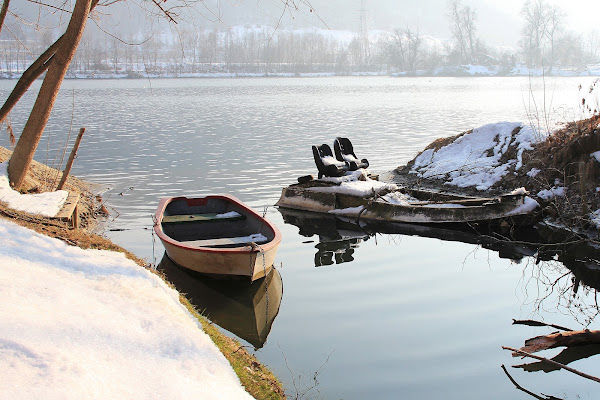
[(256, 378), (457, 71)]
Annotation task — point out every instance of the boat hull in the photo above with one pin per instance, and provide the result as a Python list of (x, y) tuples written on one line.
[(435, 208), (252, 260)]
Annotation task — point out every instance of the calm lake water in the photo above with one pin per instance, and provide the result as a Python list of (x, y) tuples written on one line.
[(390, 316)]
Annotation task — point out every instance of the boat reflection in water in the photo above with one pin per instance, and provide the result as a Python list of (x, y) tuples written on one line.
[(245, 309), (339, 237)]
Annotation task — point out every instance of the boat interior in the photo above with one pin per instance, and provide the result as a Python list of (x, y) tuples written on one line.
[(213, 222)]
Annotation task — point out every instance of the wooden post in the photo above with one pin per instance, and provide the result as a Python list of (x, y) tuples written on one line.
[(70, 161), (75, 220)]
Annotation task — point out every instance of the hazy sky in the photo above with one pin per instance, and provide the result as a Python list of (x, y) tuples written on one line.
[(499, 22)]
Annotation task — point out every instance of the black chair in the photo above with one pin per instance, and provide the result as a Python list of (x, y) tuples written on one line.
[(344, 151), (327, 164)]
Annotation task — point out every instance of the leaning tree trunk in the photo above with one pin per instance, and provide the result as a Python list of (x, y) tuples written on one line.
[(3, 12), (20, 161)]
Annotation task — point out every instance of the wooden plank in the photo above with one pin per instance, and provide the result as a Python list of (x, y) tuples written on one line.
[(482, 201), (218, 242), (201, 217), (69, 207)]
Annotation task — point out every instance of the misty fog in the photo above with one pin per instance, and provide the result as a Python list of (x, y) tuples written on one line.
[(425, 38)]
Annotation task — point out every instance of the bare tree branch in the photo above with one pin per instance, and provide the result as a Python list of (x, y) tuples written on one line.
[(3, 13), (530, 322)]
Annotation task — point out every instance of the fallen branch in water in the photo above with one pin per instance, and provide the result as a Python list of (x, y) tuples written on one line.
[(564, 339), (531, 322), (517, 353), (521, 388)]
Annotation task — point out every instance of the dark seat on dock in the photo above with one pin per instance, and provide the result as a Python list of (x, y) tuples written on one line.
[(327, 164), (344, 151)]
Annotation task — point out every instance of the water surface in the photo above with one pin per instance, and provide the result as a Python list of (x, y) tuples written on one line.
[(386, 316)]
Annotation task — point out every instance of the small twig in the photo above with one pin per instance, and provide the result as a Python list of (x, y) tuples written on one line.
[(240, 348), (531, 322), (66, 240), (521, 388), (557, 364)]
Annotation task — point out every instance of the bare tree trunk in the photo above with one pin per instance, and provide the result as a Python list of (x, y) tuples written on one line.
[(20, 161), (3, 13)]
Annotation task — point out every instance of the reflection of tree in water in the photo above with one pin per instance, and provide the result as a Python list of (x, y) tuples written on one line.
[(563, 279), (569, 286)]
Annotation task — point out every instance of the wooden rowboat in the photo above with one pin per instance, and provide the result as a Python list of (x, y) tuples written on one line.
[(217, 235)]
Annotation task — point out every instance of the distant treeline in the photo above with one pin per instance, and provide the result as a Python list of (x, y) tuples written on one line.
[(264, 50)]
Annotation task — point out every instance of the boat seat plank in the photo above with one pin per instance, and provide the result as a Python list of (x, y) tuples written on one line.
[(230, 216), (219, 242)]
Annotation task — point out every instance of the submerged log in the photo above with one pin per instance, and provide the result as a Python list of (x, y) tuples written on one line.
[(564, 339)]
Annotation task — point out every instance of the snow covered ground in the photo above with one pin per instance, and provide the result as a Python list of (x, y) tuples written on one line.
[(475, 159), (46, 204), (92, 324)]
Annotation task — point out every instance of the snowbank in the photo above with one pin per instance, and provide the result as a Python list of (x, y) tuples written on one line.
[(476, 158), (92, 324), (44, 204)]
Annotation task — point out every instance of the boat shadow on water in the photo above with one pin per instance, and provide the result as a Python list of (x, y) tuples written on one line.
[(246, 309)]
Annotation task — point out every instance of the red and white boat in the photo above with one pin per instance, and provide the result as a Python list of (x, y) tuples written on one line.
[(216, 235)]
